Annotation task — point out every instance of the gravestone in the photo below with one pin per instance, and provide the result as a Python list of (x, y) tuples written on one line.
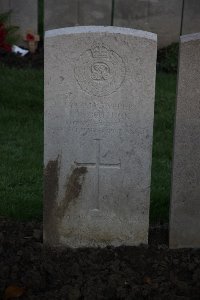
[(162, 17), (71, 13), (99, 107), (185, 200), (24, 15), (62, 14), (191, 16), (95, 12), (4, 6)]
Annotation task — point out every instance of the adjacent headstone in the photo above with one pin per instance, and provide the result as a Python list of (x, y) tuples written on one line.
[(60, 13), (99, 107), (95, 12), (24, 15), (162, 17), (4, 6), (65, 13), (185, 200), (191, 16)]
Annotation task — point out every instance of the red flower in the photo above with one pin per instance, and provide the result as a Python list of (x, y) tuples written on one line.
[(30, 37), (3, 34), (6, 47)]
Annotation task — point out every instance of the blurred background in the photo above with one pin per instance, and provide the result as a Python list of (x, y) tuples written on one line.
[(167, 18)]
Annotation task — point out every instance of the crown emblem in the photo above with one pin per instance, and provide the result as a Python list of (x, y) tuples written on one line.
[(99, 51)]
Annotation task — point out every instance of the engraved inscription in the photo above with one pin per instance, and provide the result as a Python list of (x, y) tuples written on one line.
[(98, 165), (100, 71)]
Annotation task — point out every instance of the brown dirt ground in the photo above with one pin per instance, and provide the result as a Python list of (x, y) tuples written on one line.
[(145, 272)]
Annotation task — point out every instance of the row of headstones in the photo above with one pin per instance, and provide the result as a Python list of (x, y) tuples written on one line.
[(165, 18), (99, 111)]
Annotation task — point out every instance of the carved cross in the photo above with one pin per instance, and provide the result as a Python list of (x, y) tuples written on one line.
[(98, 165)]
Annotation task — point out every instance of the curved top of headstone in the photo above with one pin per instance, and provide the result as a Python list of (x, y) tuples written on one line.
[(190, 37), (101, 29)]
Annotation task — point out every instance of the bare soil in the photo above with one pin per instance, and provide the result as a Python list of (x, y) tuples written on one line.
[(145, 272)]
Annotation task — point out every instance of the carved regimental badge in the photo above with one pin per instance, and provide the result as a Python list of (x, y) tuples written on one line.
[(100, 71)]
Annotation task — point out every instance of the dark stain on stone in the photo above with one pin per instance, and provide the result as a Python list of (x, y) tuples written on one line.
[(54, 213), (73, 188), (51, 174)]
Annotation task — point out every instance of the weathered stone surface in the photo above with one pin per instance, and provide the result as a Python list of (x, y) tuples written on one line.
[(160, 16), (185, 200), (24, 15), (60, 15), (4, 6), (191, 16), (95, 12), (71, 13), (99, 106)]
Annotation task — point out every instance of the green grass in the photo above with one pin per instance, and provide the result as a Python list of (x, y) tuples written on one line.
[(162, 146), (21, 147), (21, 143)]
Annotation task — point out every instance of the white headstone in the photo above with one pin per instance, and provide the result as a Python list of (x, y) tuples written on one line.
[(95, 12), (99, 108), (185, 200), (75, 12), (62, 14), (160, 16), (191, 17)]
